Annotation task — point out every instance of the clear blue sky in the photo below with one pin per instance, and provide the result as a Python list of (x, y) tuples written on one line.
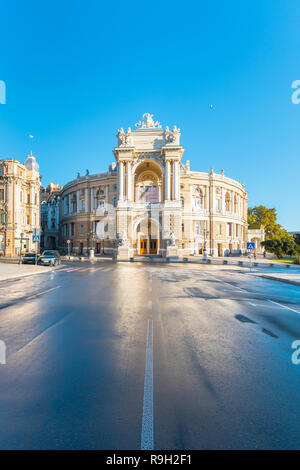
[(76, 71)]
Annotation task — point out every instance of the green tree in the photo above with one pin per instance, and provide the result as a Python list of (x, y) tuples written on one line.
[(297, 238), (281, 247), (262, 216), (277, 239)]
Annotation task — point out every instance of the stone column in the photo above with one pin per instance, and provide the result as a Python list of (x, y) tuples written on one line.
[(167, 181), (92, 199), (86, 199), (175, 181), (128, 181), (120, 181), (78, 200)]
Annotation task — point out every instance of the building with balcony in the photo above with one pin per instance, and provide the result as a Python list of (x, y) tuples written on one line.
[(149, 199), (19, 205)]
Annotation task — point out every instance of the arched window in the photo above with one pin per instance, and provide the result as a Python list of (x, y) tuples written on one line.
[(115, 202), (227, 202)]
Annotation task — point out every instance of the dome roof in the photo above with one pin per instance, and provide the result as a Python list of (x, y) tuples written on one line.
[(31, 163)]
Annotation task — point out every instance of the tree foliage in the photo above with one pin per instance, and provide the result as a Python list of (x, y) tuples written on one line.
[(277, 239), (281, 247)]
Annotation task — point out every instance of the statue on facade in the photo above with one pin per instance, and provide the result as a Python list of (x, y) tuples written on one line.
[(172, 239), (172, 137), (147, 122), (124, 240), (124, 138)]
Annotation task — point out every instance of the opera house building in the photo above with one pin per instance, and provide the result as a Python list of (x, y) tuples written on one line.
[(150, 202)]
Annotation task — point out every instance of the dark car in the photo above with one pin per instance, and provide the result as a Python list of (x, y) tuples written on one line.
[(29, 258), (49, 258)]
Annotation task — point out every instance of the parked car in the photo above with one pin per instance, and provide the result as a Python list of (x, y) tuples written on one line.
[(29, 258), (49, 258)]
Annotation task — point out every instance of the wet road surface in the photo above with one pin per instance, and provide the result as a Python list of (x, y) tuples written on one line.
[(124, 356)]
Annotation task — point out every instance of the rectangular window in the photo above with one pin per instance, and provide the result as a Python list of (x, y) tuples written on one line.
[(219, 204), (72, 229), (229, 230), (2, 194), (182, 227), (81, 229), (237, 230), (28, 198), (83, 205), (35, 199), (27, 219), (219, 229)]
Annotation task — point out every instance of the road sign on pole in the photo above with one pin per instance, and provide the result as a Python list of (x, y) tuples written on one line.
[(35, 239), (250, 246)]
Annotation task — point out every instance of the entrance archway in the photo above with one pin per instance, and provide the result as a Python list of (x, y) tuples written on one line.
[(148, 237)]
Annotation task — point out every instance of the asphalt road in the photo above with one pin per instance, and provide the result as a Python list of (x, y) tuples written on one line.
[(124, 356)]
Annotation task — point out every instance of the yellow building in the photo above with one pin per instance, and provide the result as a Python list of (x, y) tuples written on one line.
[(19, 205), (151, 203)]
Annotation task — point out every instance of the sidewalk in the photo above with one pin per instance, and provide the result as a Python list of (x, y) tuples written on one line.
[(289, 278), (11, 271)]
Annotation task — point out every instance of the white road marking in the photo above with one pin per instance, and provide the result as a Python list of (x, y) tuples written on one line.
[(147, 437), (68, 270), (283, 306), (41, 293)]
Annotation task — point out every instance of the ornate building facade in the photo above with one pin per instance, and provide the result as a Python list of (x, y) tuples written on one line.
[(150, 201), (50, 208), (19, 205)]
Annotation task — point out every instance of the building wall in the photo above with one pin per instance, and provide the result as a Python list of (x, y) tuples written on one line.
[(257, 236), (19, 206)]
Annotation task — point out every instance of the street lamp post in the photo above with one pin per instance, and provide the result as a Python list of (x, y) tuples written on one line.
[(204, 248), (3, 211)]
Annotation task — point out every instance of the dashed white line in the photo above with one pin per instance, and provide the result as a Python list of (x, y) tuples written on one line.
[(41, 293), (283, 306), (147, 437)]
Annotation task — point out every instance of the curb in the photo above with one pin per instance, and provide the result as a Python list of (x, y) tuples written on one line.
[(287, 281)]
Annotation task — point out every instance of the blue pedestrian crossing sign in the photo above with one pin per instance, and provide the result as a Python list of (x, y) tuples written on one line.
[(35, 239), (250, 246)]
